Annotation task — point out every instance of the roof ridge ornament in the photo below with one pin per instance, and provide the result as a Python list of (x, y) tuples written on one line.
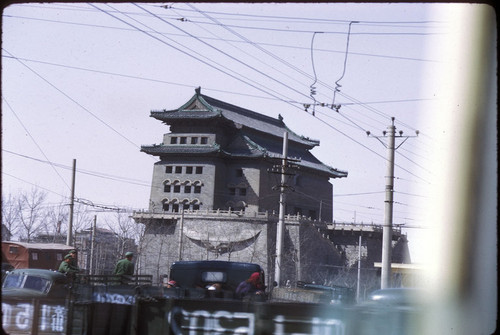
[(198, 90)]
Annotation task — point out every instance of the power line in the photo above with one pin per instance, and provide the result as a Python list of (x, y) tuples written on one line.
[(256, 45), (239, 78), (87, 172), (305, 19), (34, 141), (71, 99), (224, 53), (236, 41), (337, 85)]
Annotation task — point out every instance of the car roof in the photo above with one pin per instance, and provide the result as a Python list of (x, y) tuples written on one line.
[(48, 274)]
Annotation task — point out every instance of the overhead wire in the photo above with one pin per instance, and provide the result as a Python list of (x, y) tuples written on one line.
[(83, 171), (35, 142), (224, 53), (235, 41), (71, 99), (309, 20), (256, 45), (239, 78), (312, 87), (337, 85)]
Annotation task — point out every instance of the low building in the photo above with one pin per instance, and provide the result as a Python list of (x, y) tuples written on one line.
[(23, 255)]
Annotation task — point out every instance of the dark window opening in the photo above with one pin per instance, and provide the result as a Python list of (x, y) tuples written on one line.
[(178, 169), (177, 188), (232, 191), (166, 207), (187, 189), (204, 140), (194, 140), (199, 169), (243, 191), (173, 140), (197, 189), (183, 139), (166, 188), (189, 169), (175, 208)]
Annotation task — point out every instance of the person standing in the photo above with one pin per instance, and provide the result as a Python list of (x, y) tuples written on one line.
[(73, 262), (125, 266)]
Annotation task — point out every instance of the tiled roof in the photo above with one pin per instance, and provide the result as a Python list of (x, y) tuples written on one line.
[(201, 106)]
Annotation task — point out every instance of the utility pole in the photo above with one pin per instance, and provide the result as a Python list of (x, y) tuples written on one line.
[(358, 284), (180, 235), (281, 220), (92, 247), (282, 170), (386, 275), (69, 236)]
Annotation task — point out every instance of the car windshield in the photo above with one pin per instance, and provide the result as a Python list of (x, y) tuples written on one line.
[(13, 281), (28, 282)]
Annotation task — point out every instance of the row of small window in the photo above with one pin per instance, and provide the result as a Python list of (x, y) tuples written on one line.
[(176, 207), (177, 188), (188, 169), (192, 140)]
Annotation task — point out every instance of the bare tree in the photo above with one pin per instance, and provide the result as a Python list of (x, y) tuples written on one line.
[(10, 218), (32, 215), (123, 226), (82, 216), (56, 220), (138, 234)]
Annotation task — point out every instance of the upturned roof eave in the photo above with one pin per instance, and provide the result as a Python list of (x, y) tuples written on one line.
[(183, 113)]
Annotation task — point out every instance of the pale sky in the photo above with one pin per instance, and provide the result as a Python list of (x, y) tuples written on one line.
[(79, 81)]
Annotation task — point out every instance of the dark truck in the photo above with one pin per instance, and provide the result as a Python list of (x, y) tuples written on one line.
[(194, 277)]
